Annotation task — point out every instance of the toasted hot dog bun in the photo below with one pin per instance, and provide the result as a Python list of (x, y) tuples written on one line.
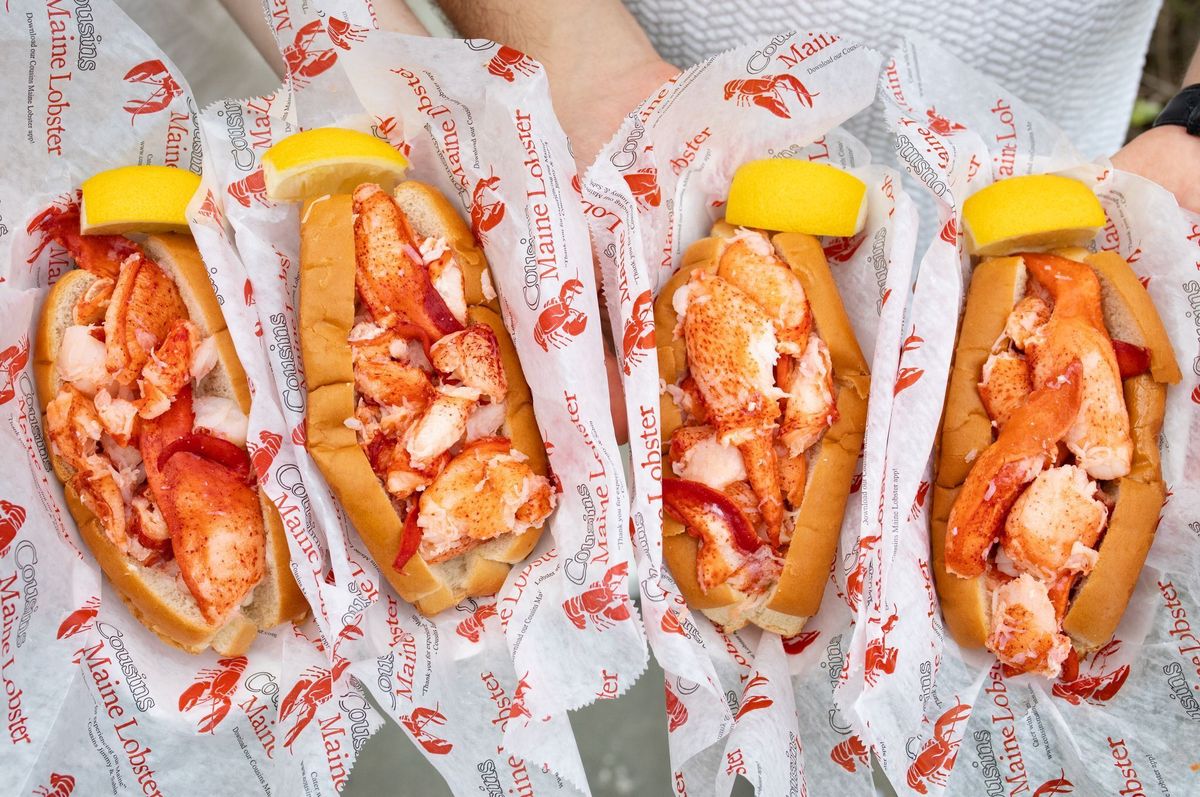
[(327, 308), (831, 463), (157, 598), (1101, 597)]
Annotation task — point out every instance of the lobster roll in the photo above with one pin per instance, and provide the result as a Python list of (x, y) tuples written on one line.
[(145, 410), (1047, 486), (419, 416), (764, 402)]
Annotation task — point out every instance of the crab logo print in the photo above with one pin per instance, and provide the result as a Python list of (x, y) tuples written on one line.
[(907, 376), (418, 723), (677, 713), (639, 331), (485, 215), (81, 619), (849, 753), (12, 517), (165, 88), (471, 628), (251, 188), (603, 602), (507, 63), (769, 92), (936, 758), (1098, 686), (942, 125), (314, 687), (752, 702), (12, 362), (262, 453), (644, 185), (559, 322), (59, 786), (214, 689)]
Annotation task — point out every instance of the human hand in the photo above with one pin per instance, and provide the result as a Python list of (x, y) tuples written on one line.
[(1169, 156)]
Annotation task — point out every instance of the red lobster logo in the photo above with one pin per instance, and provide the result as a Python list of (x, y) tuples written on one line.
[(918, 500), (299, 435), (342, 33), (671, 624), (314, 687), (644, 185), (305, 60), (418, 723), (81, 619), (768, 92), (209, 209), (12, 362), (753, 702), (1098, 686), (936, 759), (252, 187), (849, 753), (795, 645), (470, 628), (949, 232), (485, 215), (676, 711), (1059, 785), (941, 125), (881, 659), (517, 707), (507, 63), (639, 331), (840, 250), (906, 377), (166, 88), (559, 322), (603, 603), (262, 453), (854, 581), (60, 786), (214, 688), (12, 517)]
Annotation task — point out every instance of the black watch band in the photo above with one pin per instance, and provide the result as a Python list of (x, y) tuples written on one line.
[(1183, 110)]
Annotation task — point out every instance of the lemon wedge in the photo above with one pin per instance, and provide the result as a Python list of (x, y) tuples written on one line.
[(788, 195), (137, 199), (329, 160), (1036, 211)]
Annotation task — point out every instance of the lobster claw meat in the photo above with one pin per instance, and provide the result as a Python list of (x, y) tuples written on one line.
[(145, 305)]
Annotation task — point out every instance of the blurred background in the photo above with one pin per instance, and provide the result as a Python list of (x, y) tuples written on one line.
[(623, 743)]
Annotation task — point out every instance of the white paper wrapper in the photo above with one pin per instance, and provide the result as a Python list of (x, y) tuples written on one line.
[(1121, 727), (483, 689), (749, 703), (97, 703)]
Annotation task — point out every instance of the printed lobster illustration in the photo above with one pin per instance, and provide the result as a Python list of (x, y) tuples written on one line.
[(166, 88), (214, 688), (262, 453), (342, 33), (880, 657), (603, 603), (559, 322), (753, 702), (936, 758), (471, 628), (949, 232), (639, 331), (485, 215), (795, 645), (252, 187), (676, 712), (644, 185), (314, 687), (840, 250), (507, 63), (303, 58), (1095, 689), (854, 581), (12, 362), (671, 624), (769, 92), (941, 125), (1059, 785), (60, 786), (849, 753), (919, 500), (517, 707), (908, 376), (418, 723), (81, 619), (12, 517)]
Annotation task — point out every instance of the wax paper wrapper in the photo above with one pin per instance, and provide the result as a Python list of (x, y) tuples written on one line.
[(749, 703), (948, 720), (483, 689), (97, 703)]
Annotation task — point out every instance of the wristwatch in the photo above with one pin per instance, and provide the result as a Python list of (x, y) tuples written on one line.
[(1183, 110)]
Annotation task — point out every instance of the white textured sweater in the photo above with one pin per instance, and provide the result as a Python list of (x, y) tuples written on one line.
[(1077, 61)]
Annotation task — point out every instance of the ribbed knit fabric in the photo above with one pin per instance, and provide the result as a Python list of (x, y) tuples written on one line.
[(1077, 61)]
